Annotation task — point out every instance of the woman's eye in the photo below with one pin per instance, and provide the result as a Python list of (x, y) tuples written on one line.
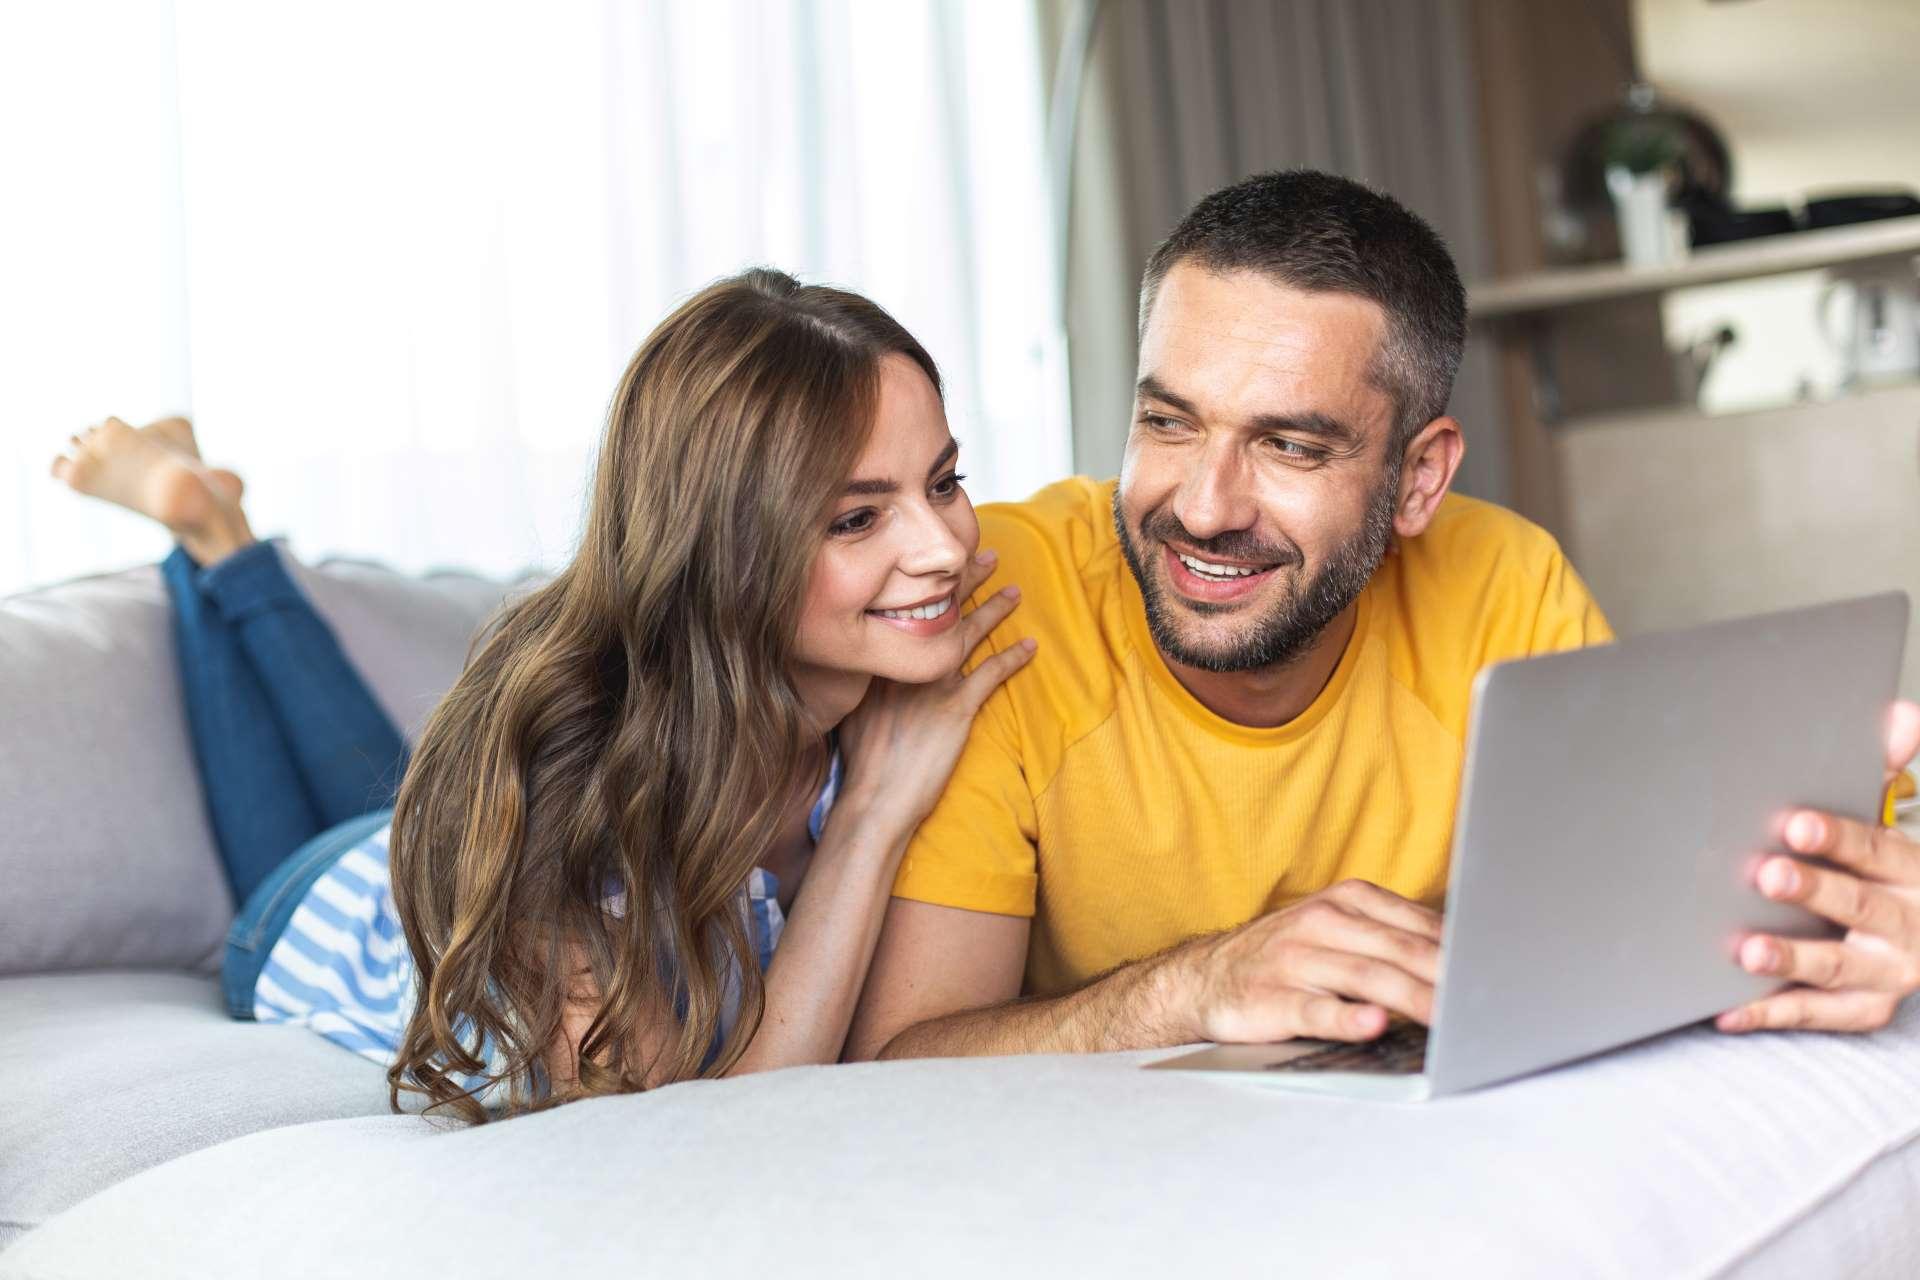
[(948, 485), (853, 522)]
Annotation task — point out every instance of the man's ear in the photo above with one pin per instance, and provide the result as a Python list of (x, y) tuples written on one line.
[(1426, 472)]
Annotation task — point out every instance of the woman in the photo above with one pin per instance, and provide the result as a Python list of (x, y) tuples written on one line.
[(632, 795)]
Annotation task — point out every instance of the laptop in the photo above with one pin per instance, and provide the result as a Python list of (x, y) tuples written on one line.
[(1613, 806)]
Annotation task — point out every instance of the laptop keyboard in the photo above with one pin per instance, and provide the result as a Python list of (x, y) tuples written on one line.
[(1399, 1050)]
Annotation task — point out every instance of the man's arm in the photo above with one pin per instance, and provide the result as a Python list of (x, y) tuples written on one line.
[(944, 982)]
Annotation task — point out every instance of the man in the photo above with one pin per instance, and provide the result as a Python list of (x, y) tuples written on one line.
[(1219, 803)]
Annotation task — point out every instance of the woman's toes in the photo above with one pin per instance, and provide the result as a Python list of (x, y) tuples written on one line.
[(107, 442), (176, 433)]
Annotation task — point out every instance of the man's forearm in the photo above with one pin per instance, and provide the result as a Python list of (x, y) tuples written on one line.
[(1133, 1007)]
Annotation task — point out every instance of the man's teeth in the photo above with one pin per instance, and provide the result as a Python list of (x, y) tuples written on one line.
[(920, 612), (1217, 570)]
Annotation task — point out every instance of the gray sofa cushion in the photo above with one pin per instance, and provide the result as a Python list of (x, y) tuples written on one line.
[(106, 1074), (1694, 1155), (90, 692)]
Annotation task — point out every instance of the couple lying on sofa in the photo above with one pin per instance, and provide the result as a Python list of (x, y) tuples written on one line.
[(733, 793)]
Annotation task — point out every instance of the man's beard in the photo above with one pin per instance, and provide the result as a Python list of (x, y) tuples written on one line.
[(1289, 629)]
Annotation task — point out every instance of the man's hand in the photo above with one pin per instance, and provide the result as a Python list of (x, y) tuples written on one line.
[(1301, 970), (1856, 983), (1334, 965)]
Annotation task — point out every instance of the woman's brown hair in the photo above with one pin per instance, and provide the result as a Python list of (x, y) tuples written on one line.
[(631, 731)]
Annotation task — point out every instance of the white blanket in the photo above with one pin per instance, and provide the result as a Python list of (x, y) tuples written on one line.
[(1694, 1155)]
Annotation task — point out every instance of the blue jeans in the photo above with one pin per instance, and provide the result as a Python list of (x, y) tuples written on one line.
[(295, 754)]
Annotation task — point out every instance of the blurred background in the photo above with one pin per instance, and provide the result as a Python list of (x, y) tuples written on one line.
[(391, 257)]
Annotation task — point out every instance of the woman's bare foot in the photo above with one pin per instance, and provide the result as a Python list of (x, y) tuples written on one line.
[(177, 434), (145, 471)]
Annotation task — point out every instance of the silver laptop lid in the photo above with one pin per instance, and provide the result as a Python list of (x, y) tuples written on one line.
[(1613, 805)]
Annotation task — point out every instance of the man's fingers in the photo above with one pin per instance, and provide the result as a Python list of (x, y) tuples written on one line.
[(1880, 853), (1823, 964), (1808, 1009), (1387, 907), (1326, 1017), (989, 675), (1289, 1012), (979, 624), (1361, 978), (1322, 923), (1903, 736), (1840, 896)]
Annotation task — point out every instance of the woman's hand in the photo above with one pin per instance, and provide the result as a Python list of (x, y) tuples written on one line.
[(901, 743)]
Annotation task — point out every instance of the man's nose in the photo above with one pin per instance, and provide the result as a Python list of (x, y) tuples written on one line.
[(930, 545), (1217, 496)]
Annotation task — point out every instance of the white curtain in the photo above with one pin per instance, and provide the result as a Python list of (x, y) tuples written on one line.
[(392, 256)]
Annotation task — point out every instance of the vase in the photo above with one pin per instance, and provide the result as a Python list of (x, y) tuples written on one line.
[(1651, 234)]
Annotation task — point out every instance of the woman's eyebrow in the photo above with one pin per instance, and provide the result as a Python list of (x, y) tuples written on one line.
[(877, 488), (946, 455)]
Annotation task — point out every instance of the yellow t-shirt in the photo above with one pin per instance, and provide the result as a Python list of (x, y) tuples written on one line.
[(1101, 798)]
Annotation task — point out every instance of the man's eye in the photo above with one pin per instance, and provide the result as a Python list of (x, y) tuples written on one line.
[(1294, 451), (1159, 422), (853, 522), (948, 485)]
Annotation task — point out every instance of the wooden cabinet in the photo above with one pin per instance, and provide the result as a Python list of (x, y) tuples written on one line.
[(1676, 518)]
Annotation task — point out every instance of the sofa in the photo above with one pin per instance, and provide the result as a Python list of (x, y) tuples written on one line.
[(143, 1134)]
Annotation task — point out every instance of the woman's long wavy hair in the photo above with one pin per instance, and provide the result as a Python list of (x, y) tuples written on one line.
[(631, 730)]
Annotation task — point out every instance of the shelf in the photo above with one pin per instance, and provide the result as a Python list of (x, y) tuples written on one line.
[(1768, 256), (1868, 402)]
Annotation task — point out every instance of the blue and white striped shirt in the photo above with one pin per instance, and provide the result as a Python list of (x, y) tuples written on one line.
[(342, 969)]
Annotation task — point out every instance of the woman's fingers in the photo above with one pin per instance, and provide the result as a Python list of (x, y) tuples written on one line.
[(977, 687), (977, 571), (979, 624)]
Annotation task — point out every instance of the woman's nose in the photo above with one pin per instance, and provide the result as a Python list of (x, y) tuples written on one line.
[(931, 545)]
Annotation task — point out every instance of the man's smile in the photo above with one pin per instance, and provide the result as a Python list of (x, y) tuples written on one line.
[(1213, 581)]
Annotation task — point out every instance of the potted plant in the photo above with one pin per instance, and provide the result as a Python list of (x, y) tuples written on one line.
[(1642, 153)]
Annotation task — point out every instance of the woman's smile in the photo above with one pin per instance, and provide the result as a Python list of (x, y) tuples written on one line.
[(927, 618)]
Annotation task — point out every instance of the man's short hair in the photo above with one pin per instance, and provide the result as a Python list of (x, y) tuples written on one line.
[(1325, 234)]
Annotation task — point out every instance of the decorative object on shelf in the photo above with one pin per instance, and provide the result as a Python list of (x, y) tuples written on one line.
[(1878, 336), (1644, 150), (1646, 124), (1840, 209), (1711, 222), (1694, 361), (1652, 233)]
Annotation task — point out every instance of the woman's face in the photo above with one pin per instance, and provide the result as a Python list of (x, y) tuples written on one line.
[(883, 596)]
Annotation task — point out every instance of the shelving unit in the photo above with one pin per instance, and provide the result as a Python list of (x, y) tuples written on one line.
[(1545, 291), (1675, 517)]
